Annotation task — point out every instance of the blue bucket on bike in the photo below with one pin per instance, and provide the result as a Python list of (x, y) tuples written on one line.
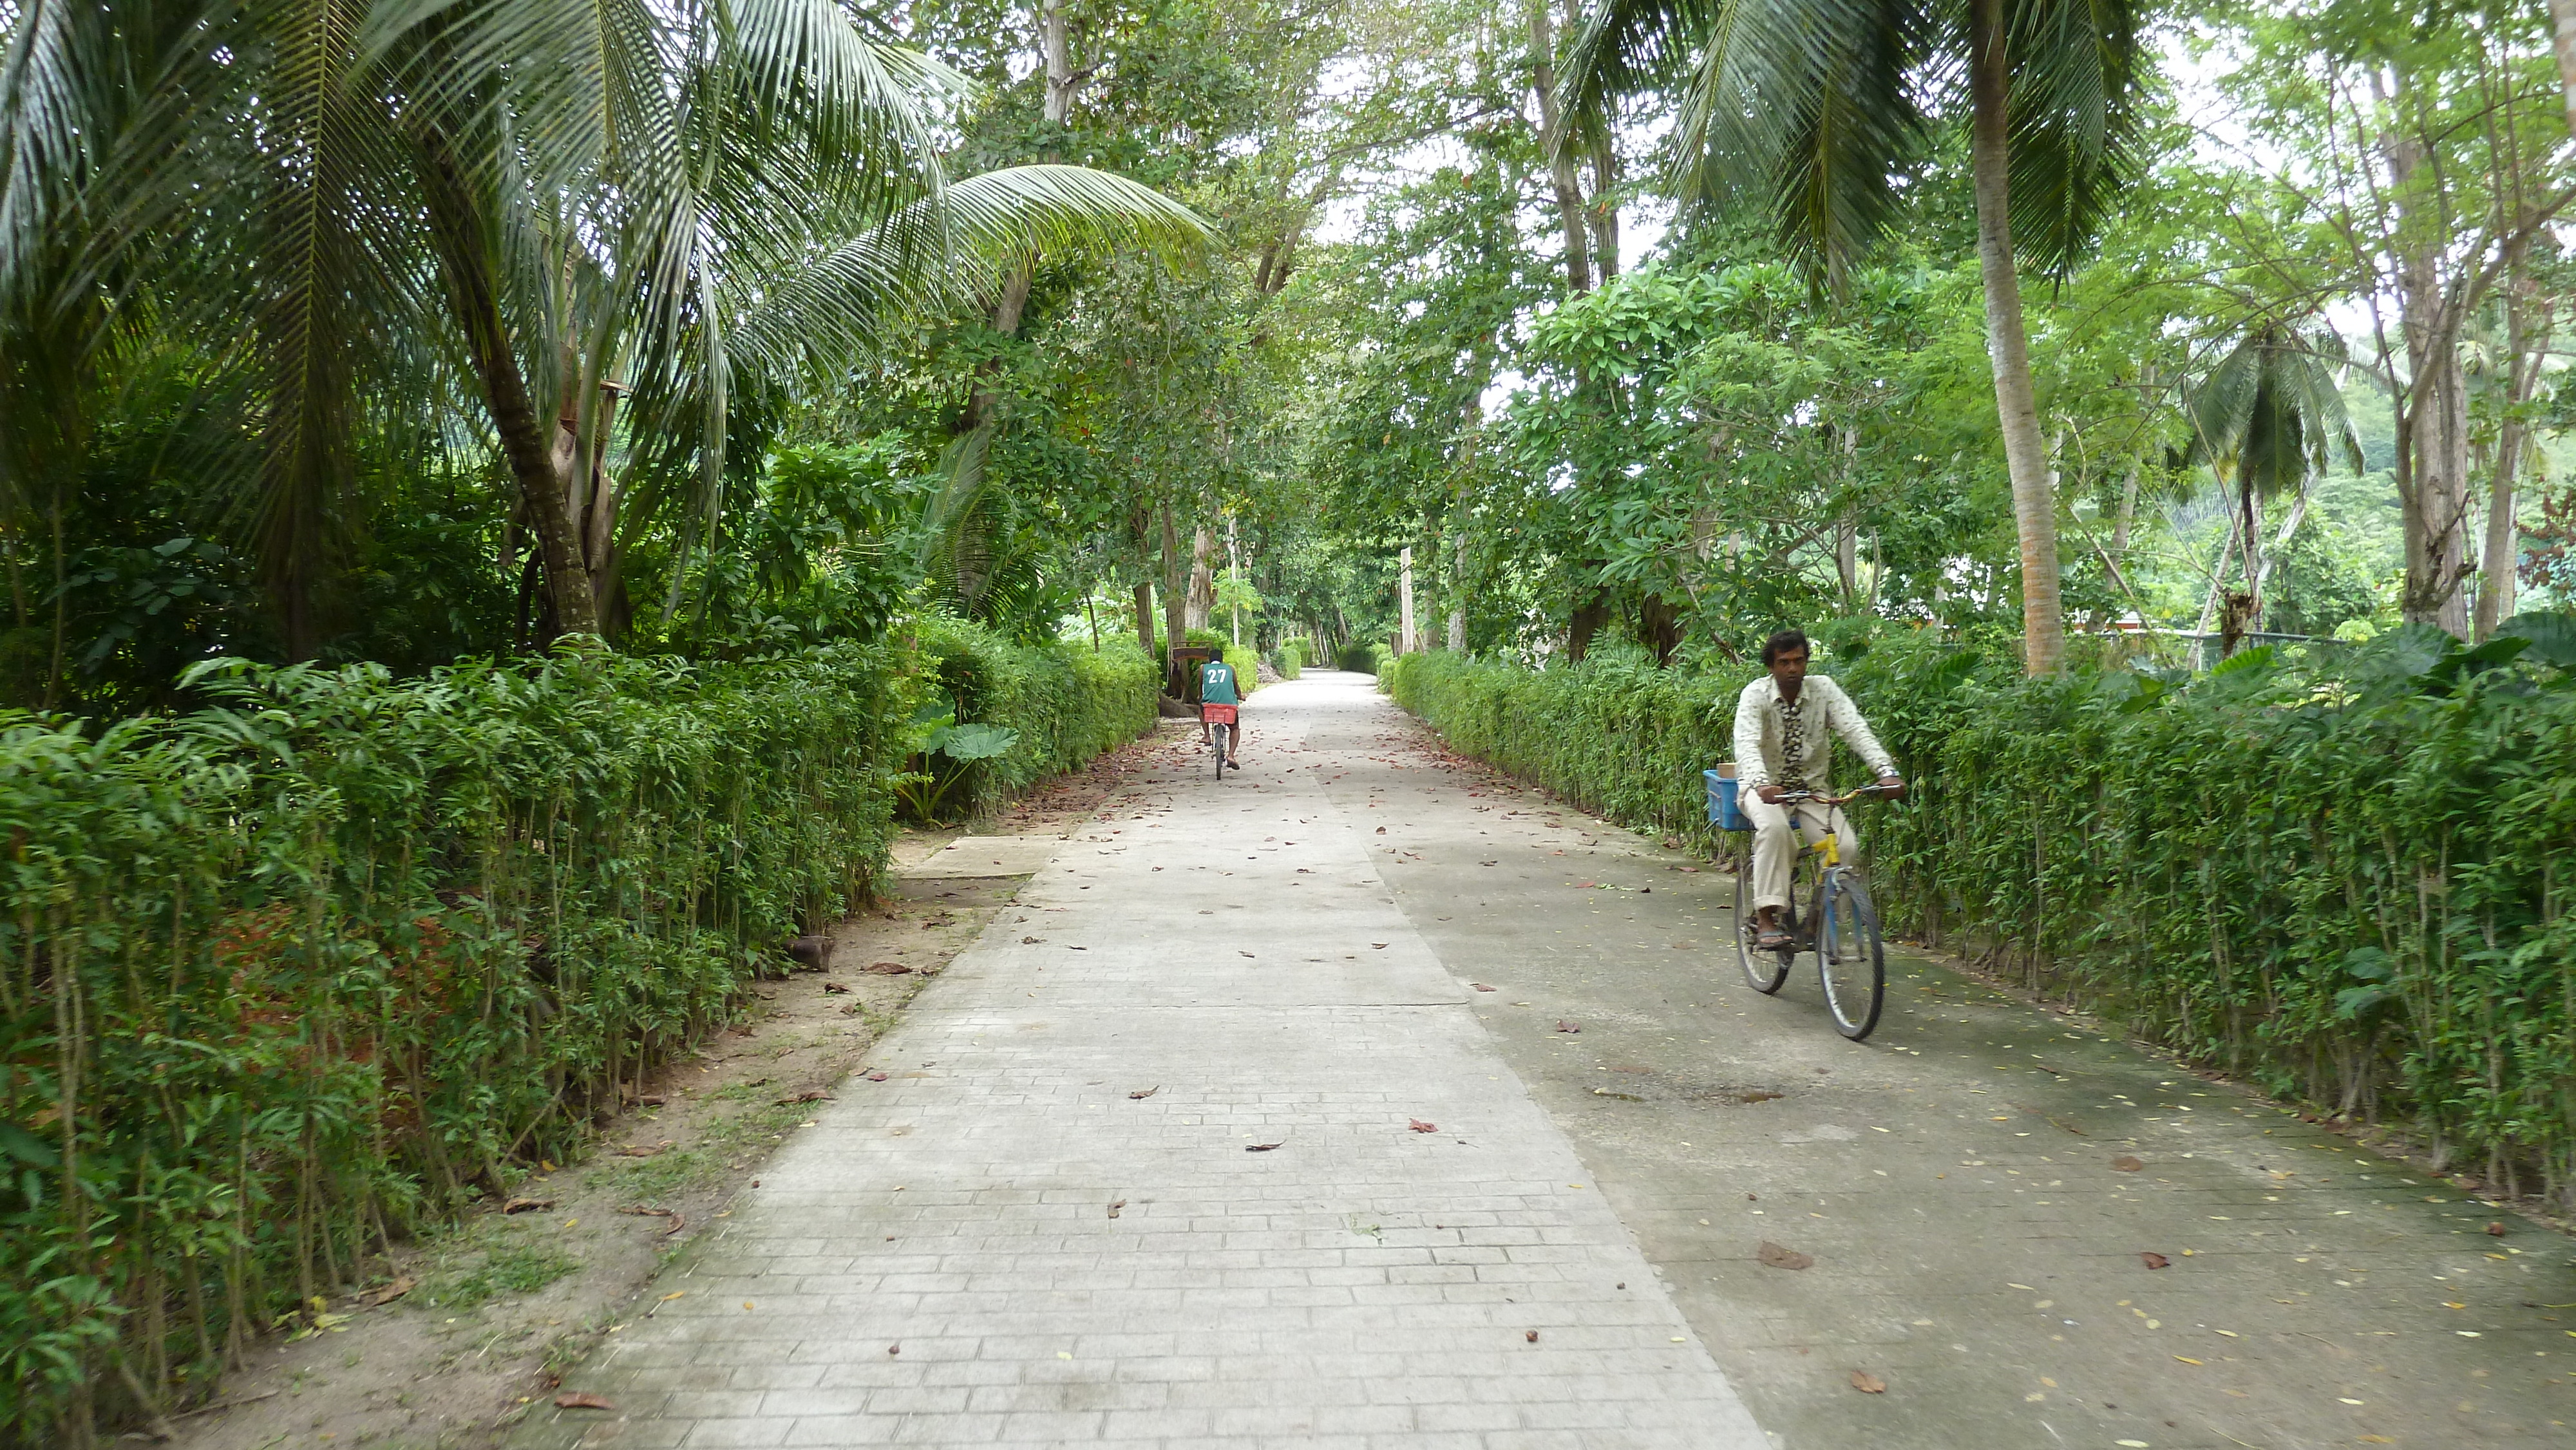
[(1722, 812)]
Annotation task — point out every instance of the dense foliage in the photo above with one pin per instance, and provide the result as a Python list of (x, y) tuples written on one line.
[(290, 976), (2342, 875)]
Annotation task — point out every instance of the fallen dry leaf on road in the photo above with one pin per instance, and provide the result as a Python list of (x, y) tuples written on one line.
[(1782, 1258), (644, 1150), (1262, 1147), (1030, 941), (527, 1205), (886, 969), (2127, 1164), (1381, 830), (1420, 1126), (1142, 1094), (876, 1077), (390, 1293), (1567, 1027), (575, 1401), (2496, 1229), (1530, 1334), (1481, 987), (1379, 945), (1113, 1208), (2155, 1260), (810, 1095), (1867, 1383), (836, 989)]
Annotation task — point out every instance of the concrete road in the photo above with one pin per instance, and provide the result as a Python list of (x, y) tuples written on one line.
[(1044, 1225), (1975, 1248)]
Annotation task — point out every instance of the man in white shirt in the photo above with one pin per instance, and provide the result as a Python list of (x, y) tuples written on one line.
[(1784, 728)]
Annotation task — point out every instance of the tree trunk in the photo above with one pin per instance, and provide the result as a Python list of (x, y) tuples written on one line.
[(1561, 171), (1202, 598), (1404, 601), (1053, 41), (1604, 209), (465, 256), (2524, 351), (1587, 622), (1145, 619), (1458, 591), (1175, 600), (1659, 627), (2562, 27), (2043, 624)]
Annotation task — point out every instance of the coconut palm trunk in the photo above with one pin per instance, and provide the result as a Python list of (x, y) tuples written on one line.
[(2043, 618), (465, 255)]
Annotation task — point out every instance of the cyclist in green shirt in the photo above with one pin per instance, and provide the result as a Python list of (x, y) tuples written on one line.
[(1217, 687)]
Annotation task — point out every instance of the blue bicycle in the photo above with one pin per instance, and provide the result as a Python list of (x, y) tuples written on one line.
[(1829, 911)]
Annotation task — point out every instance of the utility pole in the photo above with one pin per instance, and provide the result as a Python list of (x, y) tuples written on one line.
[(1404, 598)]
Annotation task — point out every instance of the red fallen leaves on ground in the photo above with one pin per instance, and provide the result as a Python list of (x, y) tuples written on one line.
[(527, 1205), (1263, 1147), (1530, 1334), (1481, 987), (876, 1077), (577, 1401), (2496, 1229), (2154, 1260), (886, 969), (2127, 1164), (1867, 1383), (836, 989), (1420, 1126), (1145, 1093), (1779, 1257), (1567, 1027), (390, 1293)]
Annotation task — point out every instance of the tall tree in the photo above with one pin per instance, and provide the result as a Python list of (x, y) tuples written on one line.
[(1819, 108)]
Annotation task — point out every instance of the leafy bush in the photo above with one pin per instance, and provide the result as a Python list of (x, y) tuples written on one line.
[(1064, 703), (2342, 875), (1360, 657), (1289, 660), (282, 978)]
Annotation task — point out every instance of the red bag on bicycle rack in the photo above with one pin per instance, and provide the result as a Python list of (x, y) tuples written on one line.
[(1217, 714)]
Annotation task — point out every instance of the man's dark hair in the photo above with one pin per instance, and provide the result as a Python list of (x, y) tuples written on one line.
[(1782, 643)]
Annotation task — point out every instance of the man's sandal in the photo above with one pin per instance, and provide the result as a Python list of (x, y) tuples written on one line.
[(1771, 941)]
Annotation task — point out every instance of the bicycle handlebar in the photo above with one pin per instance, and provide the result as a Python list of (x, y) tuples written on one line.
[(1808, 797)]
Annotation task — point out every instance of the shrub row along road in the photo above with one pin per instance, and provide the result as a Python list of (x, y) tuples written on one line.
[(1218, 1138)]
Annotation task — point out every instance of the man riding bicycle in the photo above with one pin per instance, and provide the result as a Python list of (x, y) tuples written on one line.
[(1784, 724), (1217, 688)]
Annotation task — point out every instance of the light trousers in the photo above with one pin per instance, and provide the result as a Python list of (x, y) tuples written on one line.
[(1775, 844)]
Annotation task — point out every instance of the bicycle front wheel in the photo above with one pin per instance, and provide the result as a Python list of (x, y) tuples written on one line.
[(1850, 955), (1765, 970), (1218, 733)]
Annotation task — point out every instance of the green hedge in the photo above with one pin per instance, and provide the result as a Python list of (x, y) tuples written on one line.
[(281, 979), (2347, 878), (1067, 701)]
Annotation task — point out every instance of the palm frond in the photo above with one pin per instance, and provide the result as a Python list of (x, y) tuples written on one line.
[(2078, 71)]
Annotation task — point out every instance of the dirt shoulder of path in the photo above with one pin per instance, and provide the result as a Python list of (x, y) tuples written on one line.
[(449, 1340)]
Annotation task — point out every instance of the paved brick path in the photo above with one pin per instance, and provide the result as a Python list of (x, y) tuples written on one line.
[(1004, 1243)]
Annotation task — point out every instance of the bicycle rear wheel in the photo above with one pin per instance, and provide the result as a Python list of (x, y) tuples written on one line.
[(1765, 970), (1218, 733), (1849, 954)]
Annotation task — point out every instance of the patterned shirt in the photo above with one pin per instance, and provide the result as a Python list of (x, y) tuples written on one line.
[(1793, 742)]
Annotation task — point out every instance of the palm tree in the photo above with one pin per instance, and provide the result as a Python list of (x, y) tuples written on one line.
[(1819, 108), (531, 208), (2265, 420)]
